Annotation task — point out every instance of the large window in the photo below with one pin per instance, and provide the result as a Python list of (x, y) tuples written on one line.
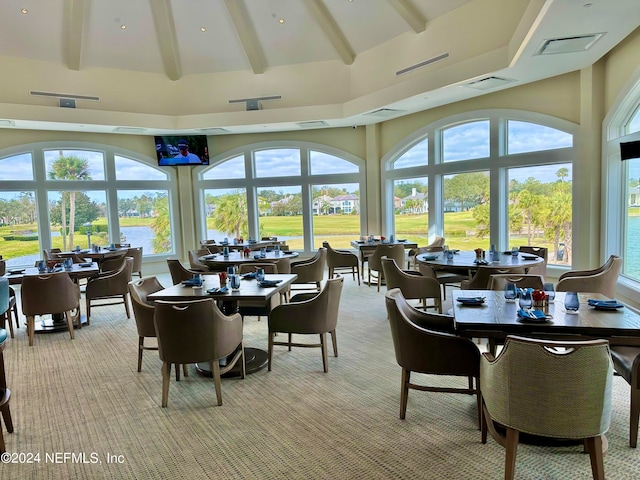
[(300, 193), (63, 195), (491, 177)]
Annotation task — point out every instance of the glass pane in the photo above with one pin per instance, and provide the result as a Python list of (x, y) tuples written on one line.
[(281, 214), (530, 137), (466, 210), (78, 218), (16, 167), (336, 214), (74, 165), (19, 243), (634, 124), (277, 163), (415, 156), (323, 163), (631, 250), (144, 220), (411, 210), (466, 141), (232, 168), (540, 209), (227, 214), (128, 169)]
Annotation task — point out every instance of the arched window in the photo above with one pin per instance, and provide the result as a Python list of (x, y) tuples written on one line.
[(491, 177), (68, 194), (300, 193)]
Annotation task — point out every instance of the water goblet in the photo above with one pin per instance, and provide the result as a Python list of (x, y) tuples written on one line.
[(515, 251), (259, 274), (510, 292), (263, 252), (225, 252), (550, 290), (571, 302), (234, 281), (197, 280), (525, 300), (231, 271)]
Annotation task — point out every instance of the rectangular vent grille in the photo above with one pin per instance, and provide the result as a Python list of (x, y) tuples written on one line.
[(384, 112), (422, 64), (313, 124), (489, 82), (64, 95), (578, 43)]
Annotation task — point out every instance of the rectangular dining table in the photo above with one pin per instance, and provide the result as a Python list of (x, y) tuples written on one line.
[(250, 291), (366, 248), (496, 318)]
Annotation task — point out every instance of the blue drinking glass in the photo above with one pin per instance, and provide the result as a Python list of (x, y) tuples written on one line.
[(571, 302), (510, 292), (259, 274), (234, 281)]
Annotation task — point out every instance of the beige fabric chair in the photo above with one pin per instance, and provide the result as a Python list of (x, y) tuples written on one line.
[(136, 254), (412, 284), (522, 280), (427, 343), (480, 281), (310, 271), (542, 252), (113, 263), (626, 361), (111, 286), (12, 311), (341, 261), (395, 252), (549, 389), (194, 263), (435, 246), (49, 294), (197, 332), (143, 311), (601, 280), (5, 393), (318, 315), (51, 253), (178, 272), (443, 277)]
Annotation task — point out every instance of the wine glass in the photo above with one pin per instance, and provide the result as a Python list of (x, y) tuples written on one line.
[(571, 302), (510, 292), (550, 291)]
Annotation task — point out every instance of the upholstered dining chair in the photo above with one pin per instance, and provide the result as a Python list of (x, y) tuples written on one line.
[(412, 284), (342, 261), (542, 252), (113, 263), (52, 293), (179, 273), (601, 280), (626, 361), (444, 277), (522, 280), (197, 332), (310, 271), (194, 260), (315, 316), (435, 246), (143, 311), (51, 253), (5, 393), (375, 260), (136, 254), (548, 389), (111, 286), (12, 311), (482, 277)]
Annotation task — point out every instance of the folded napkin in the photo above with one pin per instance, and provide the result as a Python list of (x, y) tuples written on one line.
[(248, 276), (15, 272), (190, 283), (215, 290), (532, 314), (481, 262), (288, 252), (403, 240), (269, 283), (470, 299), (88, 264), (430, 257), (604, 303)]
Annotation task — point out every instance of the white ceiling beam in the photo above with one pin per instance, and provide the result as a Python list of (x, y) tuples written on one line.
[(167, 39), (76, 9), (330, 28), (246, 34), (409, 14)]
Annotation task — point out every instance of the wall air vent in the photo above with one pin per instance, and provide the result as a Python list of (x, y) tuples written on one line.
[(385, 112), (213, 130), (422, 64), (577, 43), (488, 83), (129, 130), (313, 124), (64, 95)]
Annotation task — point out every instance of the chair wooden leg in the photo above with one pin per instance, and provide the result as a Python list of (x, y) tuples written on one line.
[(404, 392), (185, 370), (289, 340), (243, 370), (31, 329), (323, 346), (6, 317), (358, 273), (177, 372), (484, 427), (634, 415), (6, 417), (269, 351), (594, 446), (125, 297), (69, 324), (215, 368), (334, 341), (512, 450), (88, 308), (166, 373), (140, 350)]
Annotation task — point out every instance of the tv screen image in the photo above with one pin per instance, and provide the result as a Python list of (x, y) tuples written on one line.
[(182, 150)]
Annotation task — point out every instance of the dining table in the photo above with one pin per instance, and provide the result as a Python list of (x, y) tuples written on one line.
[(228, 301), (216, 261), (367, 247), (464, 259), (100, 254)]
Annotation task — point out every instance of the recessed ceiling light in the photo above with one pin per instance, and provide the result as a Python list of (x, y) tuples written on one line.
[(203, 29), (123, 26), (281, 21), (25, 11)]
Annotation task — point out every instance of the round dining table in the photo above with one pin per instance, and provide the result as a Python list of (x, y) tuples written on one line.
[(215, 261), (467, 259)]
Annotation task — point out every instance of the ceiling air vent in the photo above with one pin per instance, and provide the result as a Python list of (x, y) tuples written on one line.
[(385, 112), (422, 64), (129, 130), (488, 83), (577, 43), (313, 124)]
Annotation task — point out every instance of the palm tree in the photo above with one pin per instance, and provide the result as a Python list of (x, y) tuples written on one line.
[(70, 167), (562, 173), (231, 214)]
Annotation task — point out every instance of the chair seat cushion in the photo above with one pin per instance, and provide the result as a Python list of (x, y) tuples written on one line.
[(3, 335), (623, 360)]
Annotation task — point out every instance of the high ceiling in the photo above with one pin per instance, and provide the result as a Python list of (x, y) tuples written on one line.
[(324, 63)]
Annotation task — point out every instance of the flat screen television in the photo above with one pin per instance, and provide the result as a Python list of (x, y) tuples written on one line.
[(629, 150), (182, 150)]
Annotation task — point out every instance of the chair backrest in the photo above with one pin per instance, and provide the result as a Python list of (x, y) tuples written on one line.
[(178, 272), (311, 270), (4, 296), (390, 251), (480, 281), (48, 293), (3, 267), (196, 331), (547, 388), (412, 286), (143, 309), (585, 273), (50, 253), (113, 263), (542, 252), (603, 281), (251, 267), (425, 342), (136, 254), (339, 258), (283, 265), (523, 280), (194, 261)]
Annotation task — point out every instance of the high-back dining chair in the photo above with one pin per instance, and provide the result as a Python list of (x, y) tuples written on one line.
[(12, 311), (542, 252), (435, 246), (310, 271), (602, 280), (375, 260), (111, 286), (482, 277), (136, 254), (412, 284), (342, 261), (522, 280), (143, 311)]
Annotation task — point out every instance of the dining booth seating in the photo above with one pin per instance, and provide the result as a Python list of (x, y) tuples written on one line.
[(342, 261), (555, 389), (143, 311), (111, 286), (601, 280), (626, 361), (426, 343), (412, 284), (52, 293), (197, 332), (308, 314), (375, 260)]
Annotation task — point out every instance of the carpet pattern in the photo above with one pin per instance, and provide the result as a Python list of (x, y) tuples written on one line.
[(295, 422)]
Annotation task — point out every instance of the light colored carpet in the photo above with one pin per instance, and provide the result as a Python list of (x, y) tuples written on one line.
[(296, 422)]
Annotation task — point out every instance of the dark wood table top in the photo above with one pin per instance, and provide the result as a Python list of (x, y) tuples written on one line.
[(365, 244), (498, 318), (216, 260), (467, 259), (99, 255), (77, 271)]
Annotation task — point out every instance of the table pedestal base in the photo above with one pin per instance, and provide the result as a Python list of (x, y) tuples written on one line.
[(255, 360), (52, 325)]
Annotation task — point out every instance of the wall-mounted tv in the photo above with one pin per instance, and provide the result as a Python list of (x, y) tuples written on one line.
[(629, 150), (182, 150)]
